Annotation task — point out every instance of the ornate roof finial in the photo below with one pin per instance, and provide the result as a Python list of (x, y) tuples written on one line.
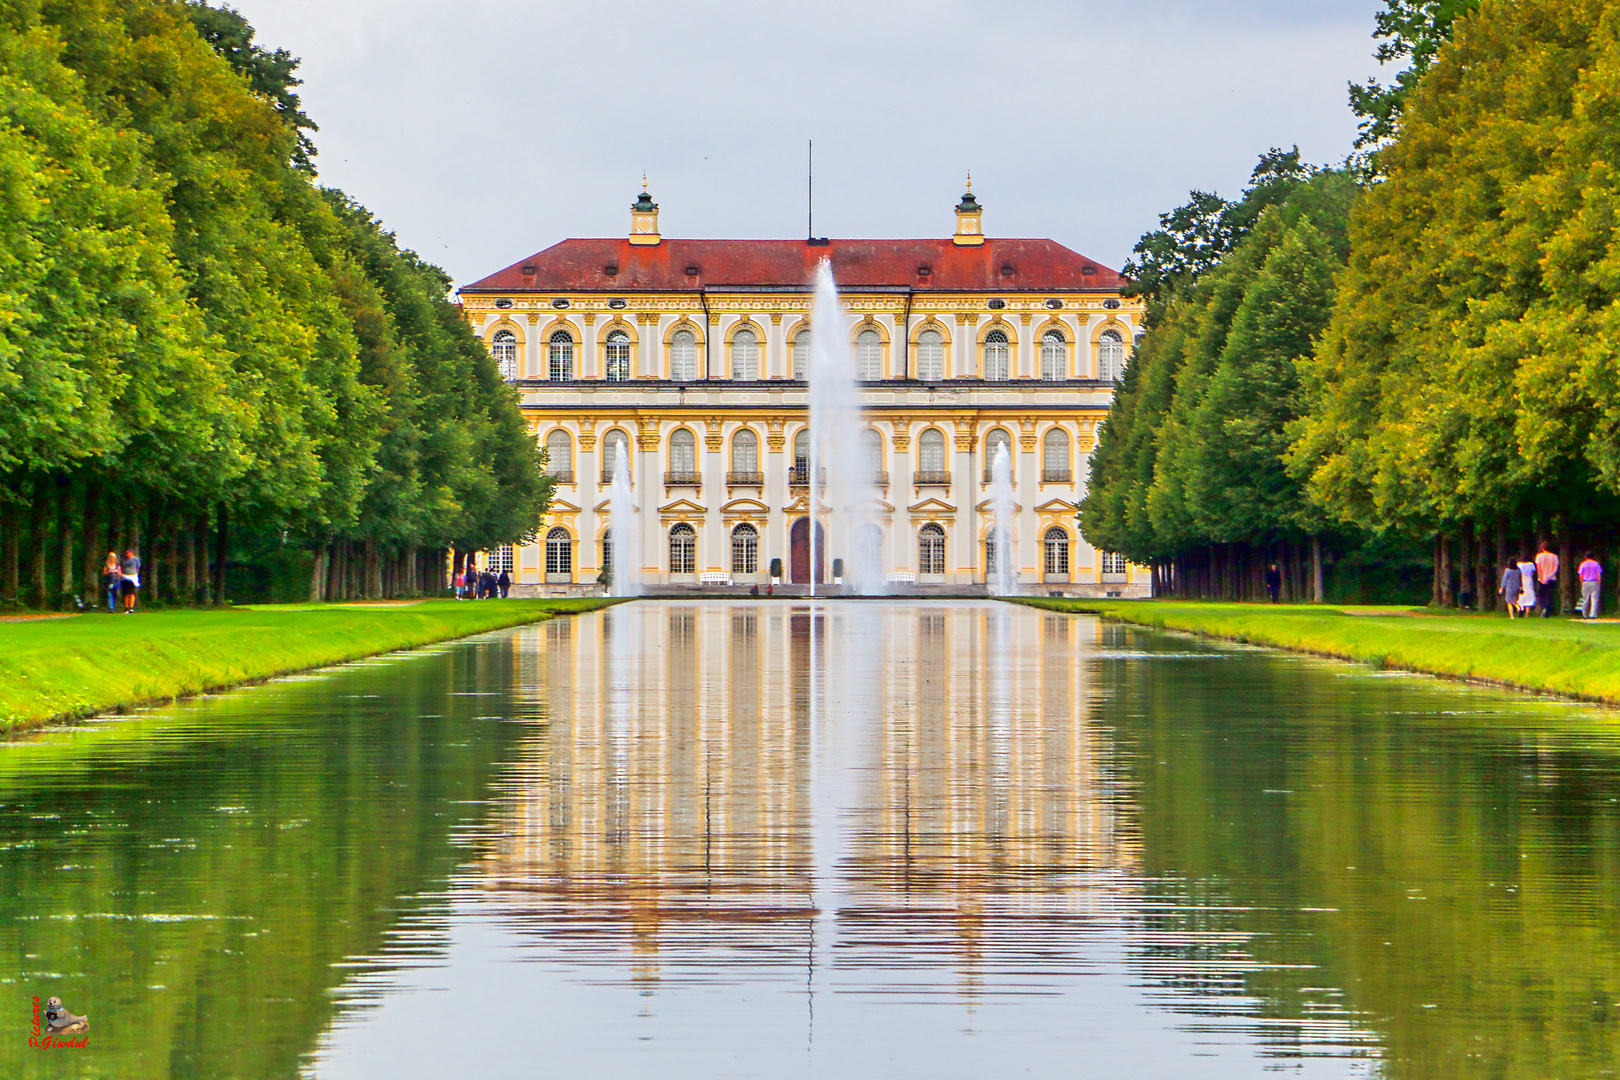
[(970, 179), (644, 180)]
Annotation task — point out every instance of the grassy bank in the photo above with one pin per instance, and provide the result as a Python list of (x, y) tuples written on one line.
[(1560, 656), (63, 668)]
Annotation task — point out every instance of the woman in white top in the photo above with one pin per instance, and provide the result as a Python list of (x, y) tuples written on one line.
[(1527, 595)]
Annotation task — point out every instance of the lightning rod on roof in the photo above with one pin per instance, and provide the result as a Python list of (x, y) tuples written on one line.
[(810, 190)]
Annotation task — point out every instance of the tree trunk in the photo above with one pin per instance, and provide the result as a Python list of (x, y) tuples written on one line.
[(317, 576), (222, 547), (39, 532), (64, 543), (1465, 553), (8, 551), (1448, 594), (171, 555), (1317, 593), (90, 539), (199, 543), (1434, 573), (1501, 557), (1566, 567)]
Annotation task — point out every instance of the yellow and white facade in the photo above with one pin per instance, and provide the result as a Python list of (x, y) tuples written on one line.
[(680, 358)]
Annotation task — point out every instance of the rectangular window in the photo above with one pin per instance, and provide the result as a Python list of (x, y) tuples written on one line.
[(1113, 563)]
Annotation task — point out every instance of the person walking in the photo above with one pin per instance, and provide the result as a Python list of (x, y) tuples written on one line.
[(461, 584), (112, 579), (505, 582), (486, 584), (1546, 580), (1511, 588), (1274, 582), (131, 583), (1527, 587), (1591, 574)]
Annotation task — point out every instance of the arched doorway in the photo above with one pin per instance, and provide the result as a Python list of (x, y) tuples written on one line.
[(799, 552)]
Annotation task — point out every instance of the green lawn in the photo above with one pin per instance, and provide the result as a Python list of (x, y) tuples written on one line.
[(62, 668), (1557, 655)]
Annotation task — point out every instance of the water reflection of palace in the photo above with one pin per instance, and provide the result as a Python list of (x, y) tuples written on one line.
[(716, 775)]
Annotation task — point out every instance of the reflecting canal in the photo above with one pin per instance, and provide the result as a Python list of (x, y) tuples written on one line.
[(855, 839)]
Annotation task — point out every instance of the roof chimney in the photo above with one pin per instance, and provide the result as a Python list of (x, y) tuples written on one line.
[(969, 223), (644, 218)]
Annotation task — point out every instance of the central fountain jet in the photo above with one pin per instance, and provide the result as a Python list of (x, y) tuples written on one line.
[(840, 483)]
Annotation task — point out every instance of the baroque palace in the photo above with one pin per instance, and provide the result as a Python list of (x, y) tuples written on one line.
[(683, 361)]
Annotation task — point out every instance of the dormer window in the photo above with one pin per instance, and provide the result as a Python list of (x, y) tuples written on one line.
[(691, 269), (530, 270), (1008, 270), (610, 270), (924, 270)]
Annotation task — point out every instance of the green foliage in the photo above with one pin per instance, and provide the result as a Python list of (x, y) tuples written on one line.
[(188, 323), (1469, 371), (1194, 449), (1194, 238), (1411, 30)]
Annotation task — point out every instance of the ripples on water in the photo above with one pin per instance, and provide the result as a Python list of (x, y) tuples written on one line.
[(864, 839)]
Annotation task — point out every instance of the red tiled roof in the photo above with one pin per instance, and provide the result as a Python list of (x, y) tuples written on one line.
[(581, 266)]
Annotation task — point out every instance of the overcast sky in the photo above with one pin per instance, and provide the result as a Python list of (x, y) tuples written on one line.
[(482, 131)]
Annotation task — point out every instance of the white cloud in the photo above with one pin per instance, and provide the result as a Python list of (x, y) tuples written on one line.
[(484, 130)]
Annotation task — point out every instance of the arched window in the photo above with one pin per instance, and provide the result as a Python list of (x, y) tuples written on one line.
[(871, 445), (560, 357), (930, 356), (618, 356), (607, 550), (990, 553), (1110, 356), (993, 442), (1055, 457), (745, 355), (560, 455), (996, 356), (1056, 545), (931, 550), (801, 457), (683, 356), (615, 449), (683, 549), (1054, 356), (868, 355), (559, 555), (683, 452), (801, 355), (931, 453), (503, 347), (744, 550), (744, 456)]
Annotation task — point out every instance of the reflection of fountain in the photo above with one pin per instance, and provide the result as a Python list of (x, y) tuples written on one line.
[(1004, 582), (625, 518), (851, 492)]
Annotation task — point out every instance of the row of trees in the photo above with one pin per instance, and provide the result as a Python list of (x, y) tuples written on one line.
[(1419, 346), (203, 352)]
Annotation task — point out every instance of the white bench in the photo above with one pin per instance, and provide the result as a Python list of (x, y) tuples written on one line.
[(902, 577), (714, 577)]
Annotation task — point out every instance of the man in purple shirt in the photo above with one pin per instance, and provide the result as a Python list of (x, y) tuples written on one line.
[(1591, 575)]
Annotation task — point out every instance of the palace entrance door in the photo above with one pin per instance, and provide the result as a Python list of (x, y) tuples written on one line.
[(799, 552)]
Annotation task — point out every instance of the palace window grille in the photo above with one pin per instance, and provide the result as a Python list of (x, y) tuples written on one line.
[(872, 454), (683, 549), (930, 356), (618, 356), (801, 457), (801, 355), (868, 355), (745, 453), (615, 449), (990, 553), (559, 555), (744, 550), (607, 550), (504, 349), (1054, 356), (1055, 457), (996, 356), (931, 550), (997, 438), (683, 451), (1056, 545), (499, 560), (931, 451), (1113, 563), (683, 356), (1110, 356), (744, 356), (560, 455), (560, 357)]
